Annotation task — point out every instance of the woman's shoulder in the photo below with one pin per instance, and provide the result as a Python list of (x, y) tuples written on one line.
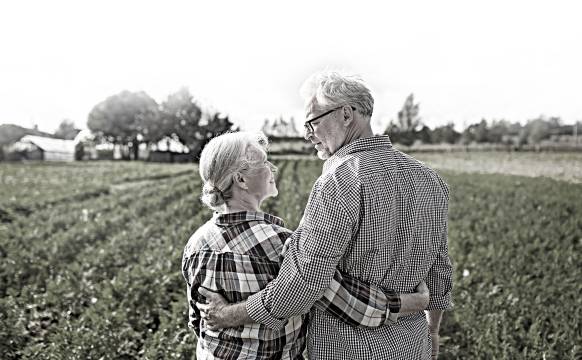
[(204, 238), (271, 230), (260, 235)]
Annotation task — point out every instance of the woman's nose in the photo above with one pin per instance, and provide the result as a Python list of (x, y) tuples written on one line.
[(273, 168)]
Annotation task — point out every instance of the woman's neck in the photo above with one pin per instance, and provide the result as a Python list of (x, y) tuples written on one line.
[(235, 205)]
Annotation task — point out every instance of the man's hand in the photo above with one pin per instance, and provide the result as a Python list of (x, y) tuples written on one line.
[(213, 312), (218, 313)]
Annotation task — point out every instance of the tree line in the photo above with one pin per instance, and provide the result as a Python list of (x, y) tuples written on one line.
[(132, 118), (409, 129)]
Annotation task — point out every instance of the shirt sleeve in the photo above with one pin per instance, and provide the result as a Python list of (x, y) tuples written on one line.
[(353, 301), (358, 303), (310, 260), (440, 278)]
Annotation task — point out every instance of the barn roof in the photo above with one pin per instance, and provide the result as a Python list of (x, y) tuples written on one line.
[(50, 145)]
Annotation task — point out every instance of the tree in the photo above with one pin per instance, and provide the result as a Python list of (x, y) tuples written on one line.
[(537, 130), (184, 120), (180, 116), (424, 135), (124, 118), (280, 127), (408, 119), (212, 125), (409, 125), (66, 130), (499, 132), (445, 134), (478, 132)]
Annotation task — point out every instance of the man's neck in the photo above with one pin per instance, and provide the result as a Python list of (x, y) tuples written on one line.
[(358, 132)]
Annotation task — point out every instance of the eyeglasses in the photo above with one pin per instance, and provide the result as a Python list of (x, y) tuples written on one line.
[(308, 126)]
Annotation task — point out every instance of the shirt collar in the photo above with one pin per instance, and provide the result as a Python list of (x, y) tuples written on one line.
[(246, 216), (363, 144)]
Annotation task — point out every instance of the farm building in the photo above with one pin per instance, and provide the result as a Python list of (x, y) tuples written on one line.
[(32, 147)]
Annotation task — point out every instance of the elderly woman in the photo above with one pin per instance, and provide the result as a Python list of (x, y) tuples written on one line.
[(238, 252)]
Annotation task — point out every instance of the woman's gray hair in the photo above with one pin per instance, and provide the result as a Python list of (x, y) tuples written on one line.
[(221, 158), (329, 89)]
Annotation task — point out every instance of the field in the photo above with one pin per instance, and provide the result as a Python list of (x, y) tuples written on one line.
[(90, 256)]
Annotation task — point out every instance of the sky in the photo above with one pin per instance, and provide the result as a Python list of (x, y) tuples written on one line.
[(463, 60)]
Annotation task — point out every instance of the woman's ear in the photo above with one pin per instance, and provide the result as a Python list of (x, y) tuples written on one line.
[(239, 180)]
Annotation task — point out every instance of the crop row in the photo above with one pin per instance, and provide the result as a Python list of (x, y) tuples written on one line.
[(57, 282), (516, 244), (25, 188), (99, 277)]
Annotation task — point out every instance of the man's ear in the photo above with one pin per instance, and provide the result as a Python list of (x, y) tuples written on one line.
[(239, 180), (348, 115)]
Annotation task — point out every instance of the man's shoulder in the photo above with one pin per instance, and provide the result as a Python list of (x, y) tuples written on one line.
[(341, 176), (430, 177)]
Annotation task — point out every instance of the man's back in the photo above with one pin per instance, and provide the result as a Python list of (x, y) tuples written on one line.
[(399, 212)]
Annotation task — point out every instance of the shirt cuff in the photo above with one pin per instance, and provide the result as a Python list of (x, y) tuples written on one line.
[(257, 311), (392, 307), (440, 302)]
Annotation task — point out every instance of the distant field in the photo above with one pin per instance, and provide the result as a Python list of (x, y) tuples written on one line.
[(556, 165), (560, 166), (90, 257)]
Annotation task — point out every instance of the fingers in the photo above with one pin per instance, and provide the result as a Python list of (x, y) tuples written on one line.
[(422, 288), (210, 324), (211, 296), (211, 312), (205, 292), (203, 307)]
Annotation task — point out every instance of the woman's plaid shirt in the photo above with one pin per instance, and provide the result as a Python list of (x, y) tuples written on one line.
[(238, 254)]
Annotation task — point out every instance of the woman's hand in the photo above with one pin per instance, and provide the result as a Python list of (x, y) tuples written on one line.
[(415, 302), (423, 292)]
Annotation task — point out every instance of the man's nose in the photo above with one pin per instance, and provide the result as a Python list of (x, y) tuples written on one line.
[(307, 134)]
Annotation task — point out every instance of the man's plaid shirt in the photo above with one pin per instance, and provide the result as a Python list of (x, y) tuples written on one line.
[(238, 254), (380, 216)]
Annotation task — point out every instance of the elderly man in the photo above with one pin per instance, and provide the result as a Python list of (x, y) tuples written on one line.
[(374, 213)]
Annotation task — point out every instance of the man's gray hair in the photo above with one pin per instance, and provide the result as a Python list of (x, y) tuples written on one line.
[(330, 89), (222, 157)]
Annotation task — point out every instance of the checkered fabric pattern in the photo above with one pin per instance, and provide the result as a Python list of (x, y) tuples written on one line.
[(380, 216), (237, 255)]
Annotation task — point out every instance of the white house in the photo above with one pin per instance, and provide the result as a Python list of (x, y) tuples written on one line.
[(32, 147)]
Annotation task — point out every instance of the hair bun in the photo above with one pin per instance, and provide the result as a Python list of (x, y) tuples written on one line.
[(212, 196)]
